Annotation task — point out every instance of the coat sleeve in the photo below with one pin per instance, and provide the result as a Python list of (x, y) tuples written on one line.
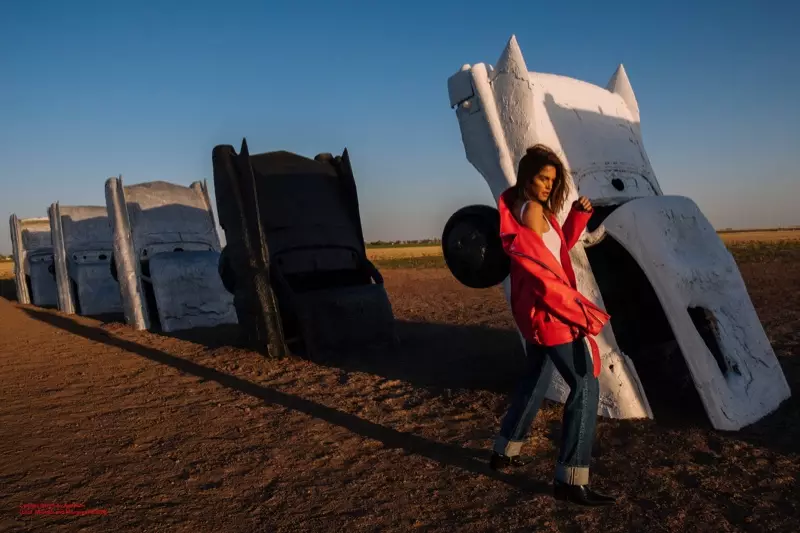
[(574, 225), (564, 302)]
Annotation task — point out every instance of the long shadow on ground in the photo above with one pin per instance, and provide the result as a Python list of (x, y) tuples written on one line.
[(443, 356), (446, 454), (438, 357), (430, 356), (8, 289)]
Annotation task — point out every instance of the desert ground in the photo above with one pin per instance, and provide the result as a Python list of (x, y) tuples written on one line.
[(191, 432)]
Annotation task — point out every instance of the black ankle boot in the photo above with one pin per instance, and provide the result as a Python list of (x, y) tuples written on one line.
[(580, 494), (499, 461)]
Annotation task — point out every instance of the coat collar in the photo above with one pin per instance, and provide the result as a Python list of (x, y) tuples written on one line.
[(518, 239)]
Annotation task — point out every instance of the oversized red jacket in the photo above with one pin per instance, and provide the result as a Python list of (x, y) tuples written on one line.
[(545, 302)]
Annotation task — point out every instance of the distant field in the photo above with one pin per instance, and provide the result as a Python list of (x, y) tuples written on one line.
[(760, 235), (375, 246), (404, 251), (6, 269), (401, 251)]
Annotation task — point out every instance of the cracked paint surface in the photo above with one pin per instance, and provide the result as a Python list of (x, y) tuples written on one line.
[(695, 269), (182, 283)]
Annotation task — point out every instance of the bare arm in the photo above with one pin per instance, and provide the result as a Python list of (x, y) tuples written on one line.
[(532, 217)]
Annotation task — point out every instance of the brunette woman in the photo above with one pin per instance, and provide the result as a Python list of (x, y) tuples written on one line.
[(555, 319)]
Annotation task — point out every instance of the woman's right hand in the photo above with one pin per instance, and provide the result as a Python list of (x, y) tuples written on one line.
[(583, 204)]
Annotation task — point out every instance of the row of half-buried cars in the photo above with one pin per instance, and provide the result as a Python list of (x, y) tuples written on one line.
[(295, 265), (294, 272)]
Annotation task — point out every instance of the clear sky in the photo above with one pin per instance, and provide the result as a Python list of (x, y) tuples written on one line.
[(147, 88)]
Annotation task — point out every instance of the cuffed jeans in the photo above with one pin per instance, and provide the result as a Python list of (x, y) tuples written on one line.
[(573, 361)]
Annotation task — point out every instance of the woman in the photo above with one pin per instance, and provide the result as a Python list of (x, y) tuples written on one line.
[(554, 318)]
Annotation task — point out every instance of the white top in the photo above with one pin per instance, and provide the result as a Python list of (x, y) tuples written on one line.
[(550, 237), (553, 242)]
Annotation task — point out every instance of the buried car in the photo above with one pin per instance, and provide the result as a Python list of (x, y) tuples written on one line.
[(295, 257), (673, 290), (33, 261), (166, 251), (82, 249)]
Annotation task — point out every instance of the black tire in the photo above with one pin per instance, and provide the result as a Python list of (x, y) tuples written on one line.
[(472, 247), (226, 271)]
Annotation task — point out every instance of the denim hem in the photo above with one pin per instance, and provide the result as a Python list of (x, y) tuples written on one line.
[(572, 475), (509, 448)]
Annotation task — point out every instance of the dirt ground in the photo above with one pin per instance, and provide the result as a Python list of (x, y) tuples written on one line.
[(190, 433)]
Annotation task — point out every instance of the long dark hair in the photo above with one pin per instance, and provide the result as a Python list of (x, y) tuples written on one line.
[(535, 158)]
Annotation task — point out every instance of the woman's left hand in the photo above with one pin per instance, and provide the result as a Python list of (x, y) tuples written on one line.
[(583, 204)]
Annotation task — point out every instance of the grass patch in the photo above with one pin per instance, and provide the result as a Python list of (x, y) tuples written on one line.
[(430, 261), (380, 246), (762, 251)]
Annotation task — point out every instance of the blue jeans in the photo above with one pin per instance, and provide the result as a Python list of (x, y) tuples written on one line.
[(574, 362)]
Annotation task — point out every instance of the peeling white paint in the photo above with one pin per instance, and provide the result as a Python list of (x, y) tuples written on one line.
[(689, 266)]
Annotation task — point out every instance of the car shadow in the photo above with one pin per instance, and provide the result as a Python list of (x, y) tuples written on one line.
[(442, 357), (430, 356), (8, 289)]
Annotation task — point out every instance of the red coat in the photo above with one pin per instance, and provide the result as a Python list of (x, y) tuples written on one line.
[(545, 302)]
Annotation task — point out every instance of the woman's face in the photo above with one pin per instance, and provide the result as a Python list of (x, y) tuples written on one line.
[(541, 185)]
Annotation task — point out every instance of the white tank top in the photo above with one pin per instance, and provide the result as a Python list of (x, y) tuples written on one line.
[(550, 237), (553, 242)]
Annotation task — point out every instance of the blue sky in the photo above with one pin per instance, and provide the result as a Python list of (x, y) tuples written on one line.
[(147, 88)]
